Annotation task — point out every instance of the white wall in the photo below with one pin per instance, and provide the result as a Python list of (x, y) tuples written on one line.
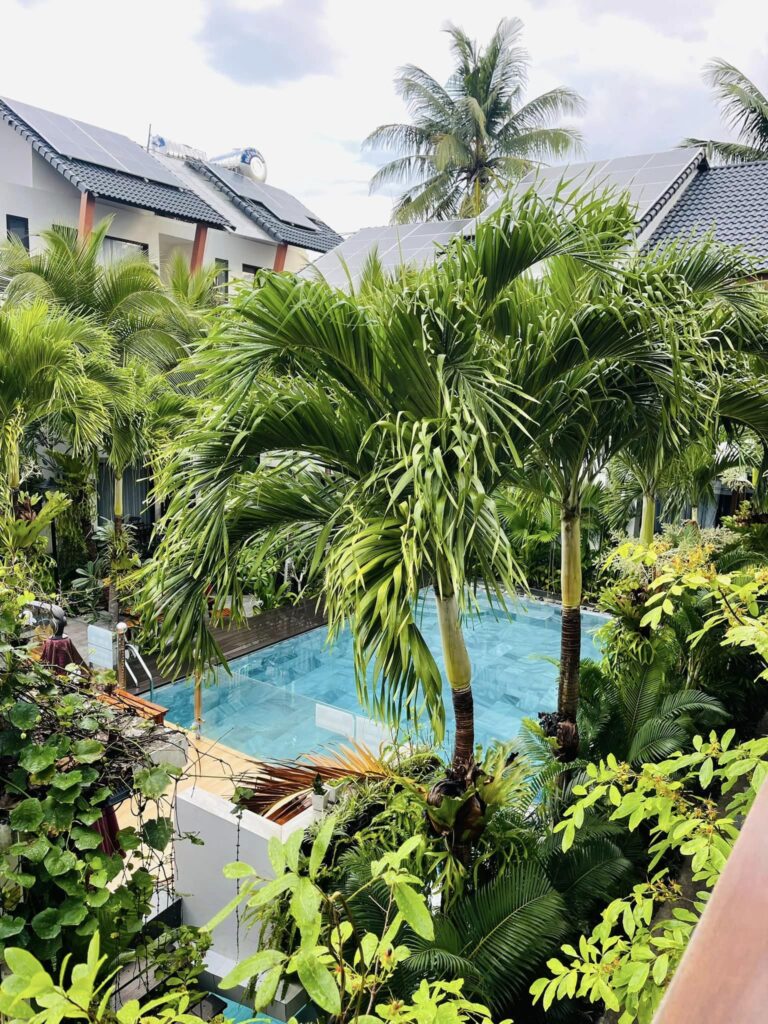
[(199, 878), (31, 188)]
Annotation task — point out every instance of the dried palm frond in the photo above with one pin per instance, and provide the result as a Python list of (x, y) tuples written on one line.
[(275, 788)]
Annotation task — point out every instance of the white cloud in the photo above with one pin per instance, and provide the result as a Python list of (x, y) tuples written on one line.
[(124, 67)]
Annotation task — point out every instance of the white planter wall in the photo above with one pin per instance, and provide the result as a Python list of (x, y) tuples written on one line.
[(199, 879)]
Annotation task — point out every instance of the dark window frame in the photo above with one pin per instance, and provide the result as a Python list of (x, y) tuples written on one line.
[(10, 231), (222, 278), (144, 246)]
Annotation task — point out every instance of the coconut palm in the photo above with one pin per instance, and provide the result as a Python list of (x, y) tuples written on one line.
[(475, 135), (45, 383), (745, 111)]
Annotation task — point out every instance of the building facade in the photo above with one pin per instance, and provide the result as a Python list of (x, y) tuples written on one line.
[(55, 170)]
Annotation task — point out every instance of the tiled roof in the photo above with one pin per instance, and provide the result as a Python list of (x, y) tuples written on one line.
[(322, 240), (117, 186), (731, 202)]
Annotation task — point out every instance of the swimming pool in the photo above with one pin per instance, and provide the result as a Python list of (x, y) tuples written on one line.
[(299, 695)]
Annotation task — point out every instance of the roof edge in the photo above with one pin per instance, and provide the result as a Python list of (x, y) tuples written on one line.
[(655, 209), (67, 168)]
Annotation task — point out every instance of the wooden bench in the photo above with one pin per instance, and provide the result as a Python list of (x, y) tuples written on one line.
[(126, 701)]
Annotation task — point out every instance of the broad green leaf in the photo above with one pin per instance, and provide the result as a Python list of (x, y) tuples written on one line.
[(317, 981), (267, 892), (320, 846), (37, 759), (59, 862), (27, 815), (660, 968), (152, 782), (276, 852), (237, 869), (10, 926), (24, 715), (157, 833), (414, 909), (87, 751), (252, 967), (305, 908), (47, 924), (267, 988), (22, 962), (292, 847)]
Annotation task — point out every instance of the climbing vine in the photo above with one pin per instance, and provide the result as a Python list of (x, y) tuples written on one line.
[(69, 763)]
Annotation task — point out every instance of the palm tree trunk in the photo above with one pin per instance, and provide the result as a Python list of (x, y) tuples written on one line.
[(570, 634), (13, 464), (117, 514), (648, 519), (695, 514), (458, 670)]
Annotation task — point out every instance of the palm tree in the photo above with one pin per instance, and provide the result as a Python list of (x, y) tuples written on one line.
[(745, 111), (369, 435), (642, 715), (144, 326), (45, 382), (474, 136), (645, 355)]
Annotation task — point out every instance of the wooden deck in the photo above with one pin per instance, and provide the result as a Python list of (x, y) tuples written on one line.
[(258, 631)]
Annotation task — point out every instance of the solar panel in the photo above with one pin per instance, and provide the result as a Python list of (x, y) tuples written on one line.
[(645, 177), (81, 141), (396, 245), (281, 204)]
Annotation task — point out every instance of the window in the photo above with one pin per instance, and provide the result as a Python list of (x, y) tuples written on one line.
[(222, 279), (18, 227), (115, 249), (250, 271)]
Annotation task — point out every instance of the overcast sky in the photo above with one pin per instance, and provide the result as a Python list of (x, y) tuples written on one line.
[(306, 80)]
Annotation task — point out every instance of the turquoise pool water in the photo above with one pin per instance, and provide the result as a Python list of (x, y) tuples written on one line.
[(299, 695)]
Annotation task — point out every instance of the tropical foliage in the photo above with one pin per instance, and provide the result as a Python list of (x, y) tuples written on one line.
[(745, 111), (469, 139), (482, 424)]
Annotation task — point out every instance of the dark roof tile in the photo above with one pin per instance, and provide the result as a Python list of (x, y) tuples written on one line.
[(118, 186), (322, 240), (731, 202)]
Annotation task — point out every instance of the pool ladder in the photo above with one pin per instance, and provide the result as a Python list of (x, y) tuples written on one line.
[(132, 651)]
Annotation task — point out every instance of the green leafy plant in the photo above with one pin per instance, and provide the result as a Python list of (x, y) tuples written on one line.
[(29, 994), (64, 755), (629, 958), (344, 971)]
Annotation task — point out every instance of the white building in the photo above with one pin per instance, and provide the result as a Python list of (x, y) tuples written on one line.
[(55, 170)]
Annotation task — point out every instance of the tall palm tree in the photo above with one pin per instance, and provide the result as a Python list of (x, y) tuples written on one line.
[(745, 110), (45, 382), (476, 134), (646, 357), (370, 434)]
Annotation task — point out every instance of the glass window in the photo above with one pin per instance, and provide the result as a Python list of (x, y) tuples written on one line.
[(222, 279), (116, 249), (250, 271), (18, 227)]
